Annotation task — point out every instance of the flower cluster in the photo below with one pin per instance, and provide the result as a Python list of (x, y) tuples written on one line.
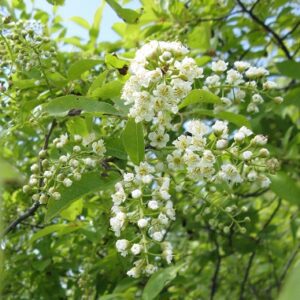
[(49, 175), (241, 84), (211, 155), (162, 77), (24, 46), (142, 200)]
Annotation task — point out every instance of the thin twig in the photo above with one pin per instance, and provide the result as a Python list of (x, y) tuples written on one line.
[(252, 256), (277, 38), (36, 205)]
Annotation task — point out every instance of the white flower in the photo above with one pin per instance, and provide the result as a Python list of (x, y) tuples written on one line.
[(158, 139), (150, 269), (118, 197), (128, 177), (122, 246), (260, 140), (247, 155), (167, 252), (136, 193), (230, 174), (246, 131), (256, 98), (134, 272), (212, 81), (153, 204), (56, 196), (142, 223), (221, 144), (175, 160), (252, 108), (269, 85), (77, 138), (241, 65), (163, 219), (164, 91), (220, 128), (278, 100), (98, 147), (234, 77), (182, 142), (188, 68), (47, 174), (90, 162), (181, 88), (136, 249), (34, 168), (164, 194), (252, 175), (117, 222), (264, 181), (158, 236), (64, 158), (67, 182), (76, 148), (219, 67), (88, 139), (196, 127), (254, 72)]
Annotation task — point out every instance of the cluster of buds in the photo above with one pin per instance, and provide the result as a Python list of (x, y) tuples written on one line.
[(240, 86), (141, 214), (49, 175), (24, 45)]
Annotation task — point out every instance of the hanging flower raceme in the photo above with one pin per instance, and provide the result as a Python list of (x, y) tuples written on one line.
[(141, 214), (209, 156)]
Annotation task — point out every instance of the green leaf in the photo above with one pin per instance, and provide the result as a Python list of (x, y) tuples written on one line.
[(127, 15), (199, 96), (199, 38), (51, 229), (114, 147), (291, 289), (56, 2), (61, 106), (81, 66), (289, 68), (90, 182), (133, 141), (114, 61), (285, 187), (236, 119), (73, 210), (98, 82), (109, 90), (158, 281), (94, 31), (81, 22)]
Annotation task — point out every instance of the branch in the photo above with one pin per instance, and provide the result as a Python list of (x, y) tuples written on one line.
[(254, 194), (277, 38), (251, 259), (214, 280), (291, 31), (36, 205)]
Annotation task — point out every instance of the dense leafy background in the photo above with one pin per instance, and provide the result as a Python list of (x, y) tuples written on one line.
[(66, 251)]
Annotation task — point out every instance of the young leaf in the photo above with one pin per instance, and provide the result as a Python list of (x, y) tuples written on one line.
[(285, 187), (133, 141), (62, 106), (236, 119), (54, 228), (127, 15), (81, 22), (90, 182), (114, 61), (158, 281), (289, 68), (94, 31), (109, 90), (98, 82), (81, 66), (199, 96)]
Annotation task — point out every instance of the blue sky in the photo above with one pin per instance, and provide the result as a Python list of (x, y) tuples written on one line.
[(86, 10)]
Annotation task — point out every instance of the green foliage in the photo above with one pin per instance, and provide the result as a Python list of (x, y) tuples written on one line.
[(228, 242), (133, 141)]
